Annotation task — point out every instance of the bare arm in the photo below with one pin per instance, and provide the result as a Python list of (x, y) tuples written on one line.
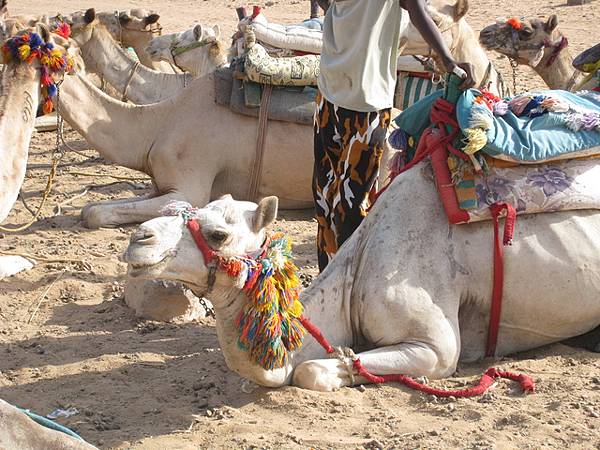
[(430, 32)]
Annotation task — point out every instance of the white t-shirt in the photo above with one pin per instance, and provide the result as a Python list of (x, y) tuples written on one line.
[(360, 50)]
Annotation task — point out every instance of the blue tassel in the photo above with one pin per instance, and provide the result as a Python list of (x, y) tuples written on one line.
[(35, 40), (52, 91), (398, 139)]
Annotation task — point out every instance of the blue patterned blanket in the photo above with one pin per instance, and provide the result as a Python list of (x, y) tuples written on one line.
[(532, 127)]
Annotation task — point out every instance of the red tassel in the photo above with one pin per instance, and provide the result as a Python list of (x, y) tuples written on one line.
[(48, 106), (46, 79)]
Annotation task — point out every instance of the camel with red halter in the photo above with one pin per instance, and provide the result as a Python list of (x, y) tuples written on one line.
[(540, 45), (407, 292)]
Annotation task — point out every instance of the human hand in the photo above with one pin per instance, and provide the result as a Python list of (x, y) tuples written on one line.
[(464, 71)]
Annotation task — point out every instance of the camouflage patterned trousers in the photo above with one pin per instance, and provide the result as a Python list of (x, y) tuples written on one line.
[(348, 148)]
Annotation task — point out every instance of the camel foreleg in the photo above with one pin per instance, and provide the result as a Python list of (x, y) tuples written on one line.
[(136, 210), (409, 358)]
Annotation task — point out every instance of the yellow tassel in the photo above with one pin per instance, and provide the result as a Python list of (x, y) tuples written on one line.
[(24, 51), (476, 140)]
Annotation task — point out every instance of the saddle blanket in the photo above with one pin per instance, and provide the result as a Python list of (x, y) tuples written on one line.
[(547, 186), (287, 104), (533, 188), (532, 127)]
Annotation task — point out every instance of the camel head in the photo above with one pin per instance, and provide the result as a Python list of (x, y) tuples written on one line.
[(164, 247), (131, 28), (193, 50), (523, 40), (126, 27)]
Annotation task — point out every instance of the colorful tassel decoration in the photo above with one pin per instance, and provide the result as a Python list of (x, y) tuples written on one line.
[(515, 23), (29, 47), (268, 324)]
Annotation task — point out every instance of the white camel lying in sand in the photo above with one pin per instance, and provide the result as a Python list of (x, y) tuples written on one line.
[(193, 149), (540, 45), (408, 292)]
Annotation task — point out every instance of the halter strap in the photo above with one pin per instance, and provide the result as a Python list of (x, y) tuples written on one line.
[(556, 49), (209, 255)]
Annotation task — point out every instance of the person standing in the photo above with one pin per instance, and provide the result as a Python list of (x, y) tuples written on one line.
[(356, 92)]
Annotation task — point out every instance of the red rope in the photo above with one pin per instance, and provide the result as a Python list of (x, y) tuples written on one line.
[(498, 284), (488, 378), (316, 333)]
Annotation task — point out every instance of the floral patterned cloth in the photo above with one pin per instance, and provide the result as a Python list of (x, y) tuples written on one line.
[(566, 185)]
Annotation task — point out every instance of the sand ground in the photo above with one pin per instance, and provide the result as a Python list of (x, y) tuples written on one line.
[(146, 385)]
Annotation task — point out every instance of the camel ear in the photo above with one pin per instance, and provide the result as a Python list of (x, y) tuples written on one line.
[(44, 32), (265, 214), (198, 32), (217, 31), (124, 18), (152, 18), (551, 24), (460, 9), (3, 7), (89, 15)]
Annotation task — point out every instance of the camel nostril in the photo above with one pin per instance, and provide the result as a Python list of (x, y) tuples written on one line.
[(143, 237)]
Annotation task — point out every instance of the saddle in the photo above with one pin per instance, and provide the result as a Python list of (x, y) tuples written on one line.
[(286, 103), (535, 151)]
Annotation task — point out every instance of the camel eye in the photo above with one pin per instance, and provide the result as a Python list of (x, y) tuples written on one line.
[(526, 32), (218, 236)]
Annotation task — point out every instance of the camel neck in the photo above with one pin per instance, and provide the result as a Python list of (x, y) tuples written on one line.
[(120, 132), (557, 70), (18, 105), (228, 305), (137, 82)]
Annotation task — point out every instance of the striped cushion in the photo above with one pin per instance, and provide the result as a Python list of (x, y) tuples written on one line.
[(410, 89)]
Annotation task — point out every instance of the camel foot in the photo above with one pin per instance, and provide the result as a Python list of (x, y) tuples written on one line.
[(323, 375), (11, 265)]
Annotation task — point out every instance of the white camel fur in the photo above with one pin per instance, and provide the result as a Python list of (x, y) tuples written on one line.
[(408, 292), (193, 149), (19, 99)]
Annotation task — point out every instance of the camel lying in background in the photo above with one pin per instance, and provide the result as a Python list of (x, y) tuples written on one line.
[(408, 292), (188, 49), (137, 83), (193, 149), (133, 28), (540, 45)]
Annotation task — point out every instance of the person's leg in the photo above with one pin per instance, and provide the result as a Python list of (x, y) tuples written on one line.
[(363, 142), (326, 151)]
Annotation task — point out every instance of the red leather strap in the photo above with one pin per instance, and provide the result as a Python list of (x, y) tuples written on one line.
[(498, 284), (208, 253)]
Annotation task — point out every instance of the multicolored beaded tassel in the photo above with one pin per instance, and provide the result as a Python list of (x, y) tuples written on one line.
[(269, 323), (29, 47)]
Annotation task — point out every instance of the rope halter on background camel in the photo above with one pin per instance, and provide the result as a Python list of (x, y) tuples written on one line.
[(30, 47), (269, 322), (557, 46)]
